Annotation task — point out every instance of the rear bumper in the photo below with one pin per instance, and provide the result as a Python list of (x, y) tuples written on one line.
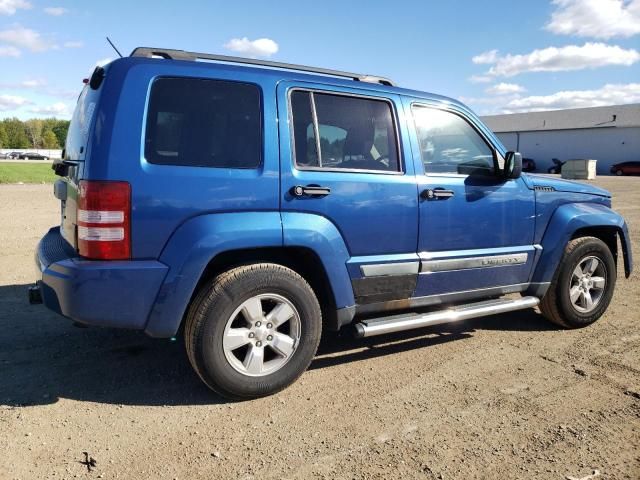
[(104, 293)]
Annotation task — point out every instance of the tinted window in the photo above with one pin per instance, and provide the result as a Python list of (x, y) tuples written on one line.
[(204, 123), (303, 129), (78, 134), (448, 144), (350, 133)]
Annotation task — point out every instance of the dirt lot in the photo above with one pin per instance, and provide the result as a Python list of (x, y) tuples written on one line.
[(498, 397)]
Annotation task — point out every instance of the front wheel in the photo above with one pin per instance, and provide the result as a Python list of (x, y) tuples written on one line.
[(253, 330), (583, 284)]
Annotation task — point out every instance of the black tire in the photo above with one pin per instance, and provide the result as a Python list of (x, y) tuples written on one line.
[(619, 173), (557, 306), (212, 309)]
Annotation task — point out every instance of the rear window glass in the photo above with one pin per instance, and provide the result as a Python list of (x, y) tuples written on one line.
[(204, 123), (347, 132), (78, 134)]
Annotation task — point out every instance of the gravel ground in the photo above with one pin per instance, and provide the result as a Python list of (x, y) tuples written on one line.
[(508, 396)]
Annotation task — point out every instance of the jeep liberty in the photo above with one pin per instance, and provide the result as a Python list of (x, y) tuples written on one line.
[(255, 203)]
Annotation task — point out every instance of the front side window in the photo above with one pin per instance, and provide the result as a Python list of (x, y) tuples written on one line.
[(449, 144), (204, 123), (342, 132)]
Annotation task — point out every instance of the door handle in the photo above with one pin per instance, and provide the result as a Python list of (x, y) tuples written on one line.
[(300, 191), (436, 194)]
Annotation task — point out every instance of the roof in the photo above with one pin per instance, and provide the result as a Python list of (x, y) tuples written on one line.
[(281, 71), (576, 118), (170, 54)]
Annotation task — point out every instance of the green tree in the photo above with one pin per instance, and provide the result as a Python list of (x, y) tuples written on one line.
[(49, 139), (4, 139), (60, 129), (34, 129), (16, 133)]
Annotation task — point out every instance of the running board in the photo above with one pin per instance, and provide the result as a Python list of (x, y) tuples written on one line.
[(397, 323)]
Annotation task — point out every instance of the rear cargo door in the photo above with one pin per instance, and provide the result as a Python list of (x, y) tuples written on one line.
[(74, 156)]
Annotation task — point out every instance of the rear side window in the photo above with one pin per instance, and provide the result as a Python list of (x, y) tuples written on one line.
[(343, 132), (204, 123)]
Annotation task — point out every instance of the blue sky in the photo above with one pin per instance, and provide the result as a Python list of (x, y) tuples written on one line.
[(495, 55)]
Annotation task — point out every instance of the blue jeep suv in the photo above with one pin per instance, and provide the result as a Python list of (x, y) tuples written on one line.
[(256, 203)]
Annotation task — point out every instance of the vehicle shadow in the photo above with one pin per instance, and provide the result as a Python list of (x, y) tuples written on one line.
[(330, 351), (43, 357)]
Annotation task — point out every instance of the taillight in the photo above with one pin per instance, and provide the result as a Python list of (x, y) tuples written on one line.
[(104, 229)]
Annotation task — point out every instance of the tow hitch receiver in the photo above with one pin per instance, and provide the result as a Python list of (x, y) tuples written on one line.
[(35, 294)]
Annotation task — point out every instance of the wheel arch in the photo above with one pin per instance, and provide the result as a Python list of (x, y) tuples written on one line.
[(302, 260), (208, 244), (575, 220), (608, 234)]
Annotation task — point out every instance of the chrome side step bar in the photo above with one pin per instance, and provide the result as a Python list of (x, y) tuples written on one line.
[(396, 323)]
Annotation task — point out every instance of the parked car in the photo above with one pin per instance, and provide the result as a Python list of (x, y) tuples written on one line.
[(4, 156), (626, 168), (14, 155), (528, 165), (196, 195), (557, 166), (32, 156)]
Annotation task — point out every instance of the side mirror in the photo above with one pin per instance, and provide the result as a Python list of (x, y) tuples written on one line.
[(512, 165)]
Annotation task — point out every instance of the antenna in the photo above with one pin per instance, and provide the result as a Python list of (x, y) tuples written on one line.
[(114, 47)]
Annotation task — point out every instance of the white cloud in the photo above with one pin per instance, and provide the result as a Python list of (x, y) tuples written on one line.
[(595, 18), (610, 94), (33, 83), (29, 83), (76, 44), (63, 93), (9, 51), (480, 79), (9, 7), (505, 89), (11, 102), (554, 59), (486, 57), (55, 11), (21, 37), (103, 61), (261, 47), (490, 101), (58, 109)]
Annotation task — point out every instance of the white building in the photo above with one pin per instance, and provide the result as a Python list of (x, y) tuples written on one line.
[(607, 134)]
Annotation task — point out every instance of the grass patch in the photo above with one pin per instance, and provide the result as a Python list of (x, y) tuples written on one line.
[(16, 172)]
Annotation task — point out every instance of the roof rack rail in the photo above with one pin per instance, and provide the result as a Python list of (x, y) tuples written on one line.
[(194, 56)]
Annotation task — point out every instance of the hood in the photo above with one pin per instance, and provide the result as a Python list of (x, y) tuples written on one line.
[(561, 185)]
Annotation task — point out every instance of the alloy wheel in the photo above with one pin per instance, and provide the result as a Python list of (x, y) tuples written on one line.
[(588, 282), (262, 335)]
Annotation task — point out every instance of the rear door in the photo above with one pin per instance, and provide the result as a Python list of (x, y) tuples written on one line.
[(476, 228), (343, 158), (75, 154)]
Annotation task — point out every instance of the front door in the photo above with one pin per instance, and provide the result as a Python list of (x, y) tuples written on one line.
[(342, 160), (476, 229)]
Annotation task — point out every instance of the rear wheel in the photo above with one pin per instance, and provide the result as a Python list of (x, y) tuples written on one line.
[(253, 330), (583, 284), (619, 173)]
